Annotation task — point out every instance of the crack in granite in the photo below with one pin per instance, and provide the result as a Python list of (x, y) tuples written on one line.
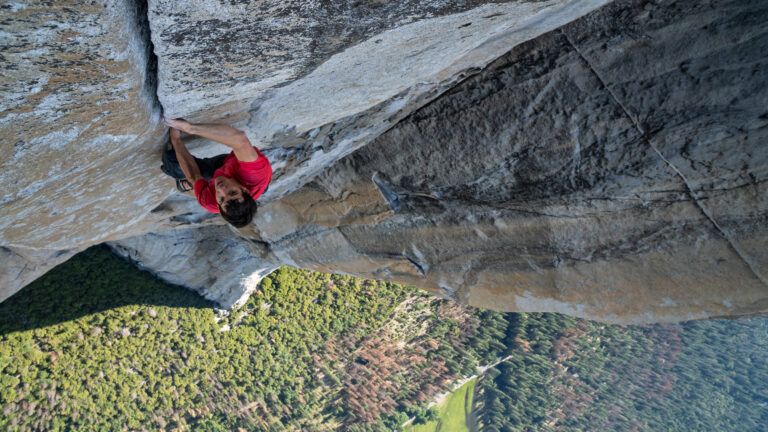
[(689, 188)]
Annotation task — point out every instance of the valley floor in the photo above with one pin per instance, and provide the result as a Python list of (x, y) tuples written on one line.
[(98, 345)]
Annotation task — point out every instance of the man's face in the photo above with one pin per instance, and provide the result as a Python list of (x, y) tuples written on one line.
[(228, 189)]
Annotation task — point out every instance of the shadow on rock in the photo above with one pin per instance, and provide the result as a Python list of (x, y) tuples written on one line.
[(92, 281)]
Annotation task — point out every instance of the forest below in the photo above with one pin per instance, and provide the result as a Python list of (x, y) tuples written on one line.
[(96, 344)]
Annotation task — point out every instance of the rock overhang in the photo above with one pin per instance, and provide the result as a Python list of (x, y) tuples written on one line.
[(588, 192)]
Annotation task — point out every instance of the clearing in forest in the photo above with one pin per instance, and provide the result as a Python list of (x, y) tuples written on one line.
[(454, 412)]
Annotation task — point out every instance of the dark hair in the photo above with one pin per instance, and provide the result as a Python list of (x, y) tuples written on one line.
[(239, 213)]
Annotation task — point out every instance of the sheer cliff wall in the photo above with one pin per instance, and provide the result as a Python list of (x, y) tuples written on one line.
[(602, 159)]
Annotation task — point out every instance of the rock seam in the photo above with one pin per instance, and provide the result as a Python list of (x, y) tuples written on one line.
[(689, 189)]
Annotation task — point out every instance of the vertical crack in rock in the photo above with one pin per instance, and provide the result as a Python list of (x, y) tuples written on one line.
[(689, 188), (140, 10)]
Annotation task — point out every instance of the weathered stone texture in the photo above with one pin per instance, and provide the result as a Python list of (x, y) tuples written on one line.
[(606, 162), (570, 176), (271, 70), (216, 53), (210, 260), (22, 266), (78, 124)]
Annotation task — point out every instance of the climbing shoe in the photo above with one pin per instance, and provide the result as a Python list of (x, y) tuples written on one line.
[(183, 185)]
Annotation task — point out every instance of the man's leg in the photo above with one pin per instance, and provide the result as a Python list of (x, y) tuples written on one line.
[(207, 166), (170, 164), (172, 168)]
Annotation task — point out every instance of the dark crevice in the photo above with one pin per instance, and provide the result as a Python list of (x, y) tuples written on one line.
[(387, 191), (419, 267), (140, 9)]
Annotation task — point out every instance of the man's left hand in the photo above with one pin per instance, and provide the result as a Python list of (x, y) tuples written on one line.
[(179, 124)]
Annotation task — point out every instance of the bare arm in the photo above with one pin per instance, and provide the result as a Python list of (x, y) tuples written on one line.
[(186, 161), (221, 133)]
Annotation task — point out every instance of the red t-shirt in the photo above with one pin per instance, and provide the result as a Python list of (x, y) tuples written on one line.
[(255, 176)]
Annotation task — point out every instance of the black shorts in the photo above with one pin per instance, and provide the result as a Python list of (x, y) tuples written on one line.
[(207, 166)]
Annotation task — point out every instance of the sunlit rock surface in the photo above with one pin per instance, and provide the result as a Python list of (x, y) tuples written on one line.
[(600, 174), (602, 159), (320, 80), (79, 133)]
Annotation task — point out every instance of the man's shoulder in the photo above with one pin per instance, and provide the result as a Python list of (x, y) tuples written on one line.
[(260, 164), (247, 154)]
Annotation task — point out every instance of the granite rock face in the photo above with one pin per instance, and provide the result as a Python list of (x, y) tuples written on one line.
[(602, 159), (617, 174), (271, 70), (208, 260), (78, 123), (22, 266)]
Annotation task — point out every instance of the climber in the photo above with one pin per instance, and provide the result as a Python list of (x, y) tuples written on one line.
[(228, 184)]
